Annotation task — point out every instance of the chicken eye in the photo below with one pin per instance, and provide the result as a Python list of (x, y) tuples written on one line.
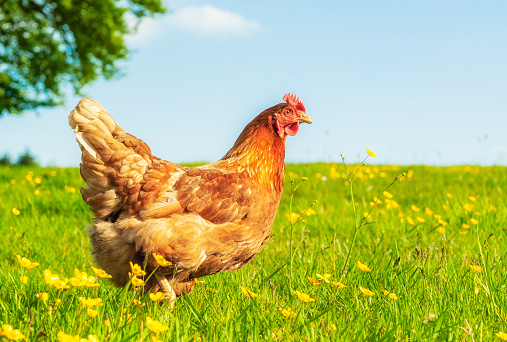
[(287, 112)]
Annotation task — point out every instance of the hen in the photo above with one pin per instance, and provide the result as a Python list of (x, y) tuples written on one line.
[(203, 220)]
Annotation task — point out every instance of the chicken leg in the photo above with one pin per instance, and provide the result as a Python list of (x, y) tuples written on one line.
[(166, 287)]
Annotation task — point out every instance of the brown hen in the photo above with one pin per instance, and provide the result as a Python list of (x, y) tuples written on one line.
[(203, 220)]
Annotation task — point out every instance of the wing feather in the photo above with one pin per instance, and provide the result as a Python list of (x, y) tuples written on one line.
[(214, 194)]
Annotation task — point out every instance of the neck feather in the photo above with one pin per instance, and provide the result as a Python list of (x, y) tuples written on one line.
[(260, 151)]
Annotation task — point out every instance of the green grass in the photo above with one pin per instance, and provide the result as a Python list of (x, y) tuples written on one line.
[(427, 265)]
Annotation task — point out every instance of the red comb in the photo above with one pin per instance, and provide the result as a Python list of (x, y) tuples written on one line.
[(294, 101)]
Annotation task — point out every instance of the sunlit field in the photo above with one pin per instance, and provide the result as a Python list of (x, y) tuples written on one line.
[(424, 260)]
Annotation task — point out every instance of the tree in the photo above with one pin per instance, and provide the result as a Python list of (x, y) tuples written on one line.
[(46, 45), (26, 159), (5, 160)]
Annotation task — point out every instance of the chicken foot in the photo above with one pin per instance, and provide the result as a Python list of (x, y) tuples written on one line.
[(166, 287)]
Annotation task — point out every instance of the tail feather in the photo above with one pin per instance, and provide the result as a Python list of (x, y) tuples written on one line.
[(113, 162)]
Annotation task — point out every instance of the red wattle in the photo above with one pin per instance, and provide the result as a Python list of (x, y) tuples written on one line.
[(292, 129)]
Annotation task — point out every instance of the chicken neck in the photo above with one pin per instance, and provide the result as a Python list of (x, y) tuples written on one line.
[(261, 153)]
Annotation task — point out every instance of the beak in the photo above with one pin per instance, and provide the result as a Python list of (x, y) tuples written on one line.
[(305, 118)]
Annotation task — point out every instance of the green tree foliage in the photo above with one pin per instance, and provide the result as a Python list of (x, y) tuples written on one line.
[(5, 160), (46, 45), (26, 159)]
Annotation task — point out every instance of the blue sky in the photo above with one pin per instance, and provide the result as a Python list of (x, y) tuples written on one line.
[(418, 82)]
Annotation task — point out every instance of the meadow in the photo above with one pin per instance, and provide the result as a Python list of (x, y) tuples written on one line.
[(381, 253)]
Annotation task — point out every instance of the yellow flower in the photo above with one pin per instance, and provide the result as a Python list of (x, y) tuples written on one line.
[(304, 179), (420, 219), (90, 302), (155, 339), (393, 204), (15, 212), (414, 208), (248, 293), (466, 226), (366, 292), (370, 153), (287, 312), (310, 211), (61, 285), (476, 268), (26, 263), (492, 208), (324, 277), (91, 338), (63, 337), (293, 218), (474, 221), (464, 232), (333, 327), (304, 297), (36, 192), (101, 273), (445, 206), (161, 260), (501, 335), (401, 215), (50, 278), (137, 302), (70, 189), (42, 296), (442, 222), (438, 217), (388, 194), (82, 279), (338, 284), (58, 301), (23, 279), (91, 313), (107, 323), (157, 297), (11, 333), (38, 180), (410, 221), (391, 295), (137, 270), (469, 207), (313, 281), (76, 282), (472, 199), (54, 280), (429, 212), (155, 326), (136, 281), (195, 281), (362, 267), (441, 230), (449, 195)]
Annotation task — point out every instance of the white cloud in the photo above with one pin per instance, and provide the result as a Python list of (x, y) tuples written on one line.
[(209, 20), (148, 28), (202, 20)]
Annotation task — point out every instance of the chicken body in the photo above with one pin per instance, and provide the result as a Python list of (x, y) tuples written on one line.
[(203, 220)]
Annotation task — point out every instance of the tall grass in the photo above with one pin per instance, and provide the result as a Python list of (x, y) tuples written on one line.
[(414, 257)]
